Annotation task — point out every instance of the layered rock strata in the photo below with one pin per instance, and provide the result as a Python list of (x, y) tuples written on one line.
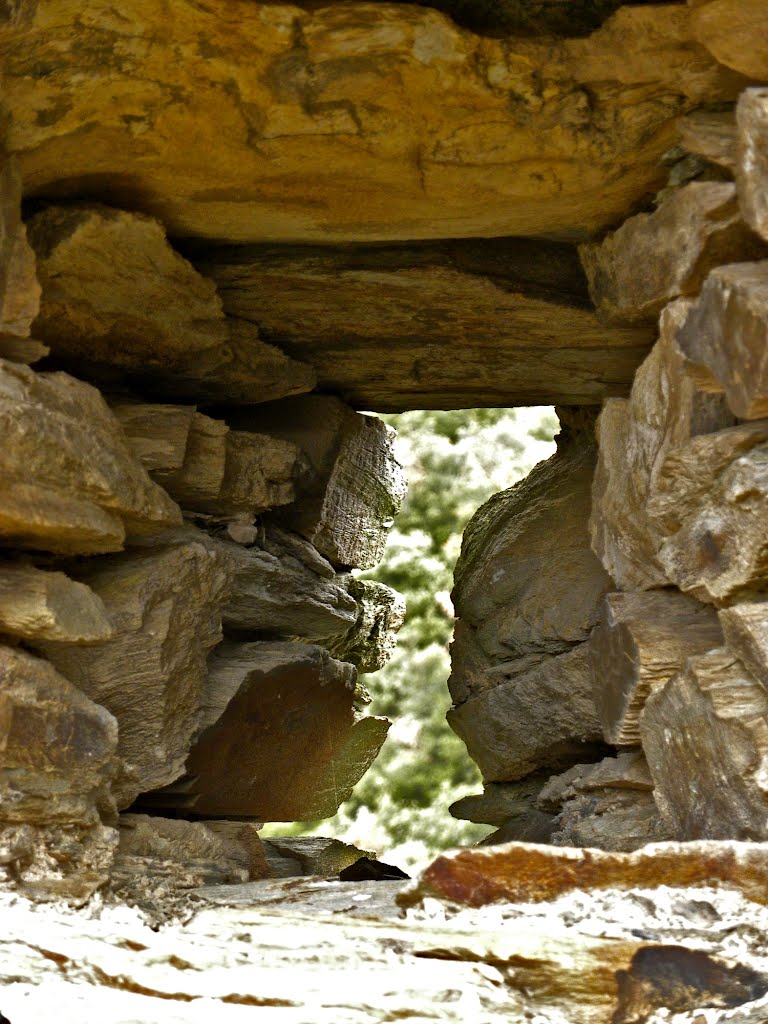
[(437, 325)]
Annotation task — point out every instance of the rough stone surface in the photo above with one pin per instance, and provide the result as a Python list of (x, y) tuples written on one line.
[(157, 434), (720, 555), (206, 466), (19, 287), (394, 121), (283, 587), (522, 872), (745, 628), (605, 806), (281, 738), (752, 166), (667, 408), (499, 801), (260, 472), (726, 331), (706, 740), (187, 853), (317, 855), (200, 477), (711, 135), (70, 484), (348, 500), (735, 32), (57, 760), (688, 474), (312, 896), (40, 605), (305, 951), (695, 229), (642, 640), (517, 600), (434, 325), (544, 718), (115, 293), (372, 640), (165, 606), (621, 535)]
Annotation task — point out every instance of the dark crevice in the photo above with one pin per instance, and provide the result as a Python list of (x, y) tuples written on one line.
[(520, 18)]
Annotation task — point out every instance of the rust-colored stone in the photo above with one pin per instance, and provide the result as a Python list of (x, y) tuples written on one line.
[(525, 872)]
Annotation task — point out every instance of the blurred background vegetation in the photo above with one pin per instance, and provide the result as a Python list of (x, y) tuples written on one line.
[(454, 462)]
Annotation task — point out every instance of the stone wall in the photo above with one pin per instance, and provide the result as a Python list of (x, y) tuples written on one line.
[(619, 595), (223, 235), (179, 620)]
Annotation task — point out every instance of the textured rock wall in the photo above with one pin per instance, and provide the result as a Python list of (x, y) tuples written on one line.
[(222, 235), (669, 664), (179, 623)]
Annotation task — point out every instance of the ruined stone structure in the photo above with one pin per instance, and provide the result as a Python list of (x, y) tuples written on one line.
[(232, 234)]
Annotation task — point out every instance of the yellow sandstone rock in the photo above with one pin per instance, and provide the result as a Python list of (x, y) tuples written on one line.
[(352, 121)]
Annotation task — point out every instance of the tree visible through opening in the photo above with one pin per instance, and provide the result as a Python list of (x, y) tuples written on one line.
[(455, 460)]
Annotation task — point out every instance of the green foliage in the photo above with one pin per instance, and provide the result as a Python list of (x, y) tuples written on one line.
[(455, 461)]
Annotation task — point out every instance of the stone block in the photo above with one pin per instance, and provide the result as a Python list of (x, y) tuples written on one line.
[(68, 481)]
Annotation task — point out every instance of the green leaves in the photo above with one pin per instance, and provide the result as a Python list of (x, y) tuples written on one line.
[(454, 461)]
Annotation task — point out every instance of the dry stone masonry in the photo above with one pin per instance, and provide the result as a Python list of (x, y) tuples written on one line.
[(228, 238), (145, 561), (676, 661)]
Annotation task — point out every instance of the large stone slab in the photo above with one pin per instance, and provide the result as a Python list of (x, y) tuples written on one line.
[(726, 332), (544, 718), (706, 741), (642, 640), (305, 951), (752, 161), (694, 229), (114, 293), (519, 594), (449, 325), (68, 481), (347, 501), (282, 739), (165, 607), (397, 123), (57, 761)]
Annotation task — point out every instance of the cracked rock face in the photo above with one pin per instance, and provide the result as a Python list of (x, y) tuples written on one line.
[(347, 122)]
